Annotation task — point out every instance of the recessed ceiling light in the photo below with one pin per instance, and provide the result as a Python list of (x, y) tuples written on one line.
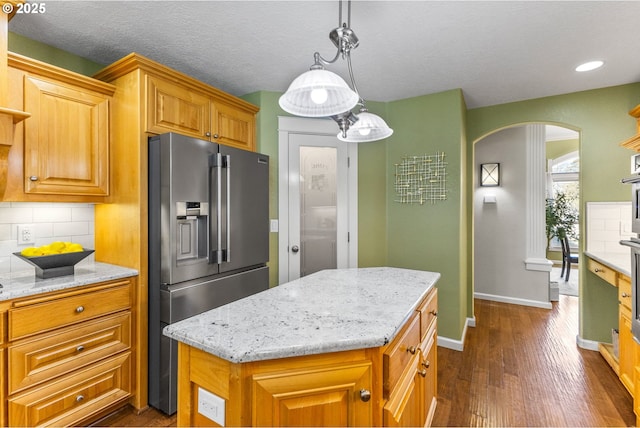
[(591, 65)]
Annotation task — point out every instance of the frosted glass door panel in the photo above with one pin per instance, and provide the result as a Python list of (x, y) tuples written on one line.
[(318, 214)]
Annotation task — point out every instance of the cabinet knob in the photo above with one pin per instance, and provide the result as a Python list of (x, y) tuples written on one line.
[(596, 270), (625, 295), (79, 398), (80, 348), (365, 395), (216, 136), (33, 178), (207, 134), (426, 364), (423, 373), (80, 309), (434, 313), (412, 350)]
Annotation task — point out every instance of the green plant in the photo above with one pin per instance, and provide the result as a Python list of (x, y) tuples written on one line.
[(561, 216)]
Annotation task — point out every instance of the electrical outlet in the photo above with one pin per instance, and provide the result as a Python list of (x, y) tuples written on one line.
[(26, 234), (211, 406)]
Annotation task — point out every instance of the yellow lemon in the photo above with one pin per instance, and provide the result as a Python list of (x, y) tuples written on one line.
[(30, 252), (73, 248)]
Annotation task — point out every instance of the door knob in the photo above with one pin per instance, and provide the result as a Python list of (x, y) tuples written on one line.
[(295, 249)]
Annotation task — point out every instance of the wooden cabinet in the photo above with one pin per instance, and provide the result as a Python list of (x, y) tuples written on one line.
[(627, 359), (410, 370), (172, 107), (393, 385), (78, 365), (336, 395), (61, 153)]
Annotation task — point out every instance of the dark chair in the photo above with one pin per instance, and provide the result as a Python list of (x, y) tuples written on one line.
[(567, 258)]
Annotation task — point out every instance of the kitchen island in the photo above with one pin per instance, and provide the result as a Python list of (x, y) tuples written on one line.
[(347, 347)]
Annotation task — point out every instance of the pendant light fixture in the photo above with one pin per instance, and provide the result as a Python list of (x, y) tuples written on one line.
[(322, 93)]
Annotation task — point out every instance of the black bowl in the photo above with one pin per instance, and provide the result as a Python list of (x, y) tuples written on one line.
[(55, 264)]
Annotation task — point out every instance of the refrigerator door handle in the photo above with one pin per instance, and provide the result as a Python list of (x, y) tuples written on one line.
[(228, 229), (219, 207), (215, 254)]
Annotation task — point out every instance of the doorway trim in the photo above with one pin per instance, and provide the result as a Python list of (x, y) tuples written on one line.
[(297, 125)]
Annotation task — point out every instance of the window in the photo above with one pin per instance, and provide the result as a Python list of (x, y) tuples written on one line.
[(563, 177)]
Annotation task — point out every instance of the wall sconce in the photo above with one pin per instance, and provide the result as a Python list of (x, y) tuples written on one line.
[(490, 174)]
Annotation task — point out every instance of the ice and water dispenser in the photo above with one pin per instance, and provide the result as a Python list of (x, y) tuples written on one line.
[(192, 219)]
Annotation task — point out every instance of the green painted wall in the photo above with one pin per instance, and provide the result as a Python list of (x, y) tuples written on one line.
[(432, 236), (602, 118), (45, 53)]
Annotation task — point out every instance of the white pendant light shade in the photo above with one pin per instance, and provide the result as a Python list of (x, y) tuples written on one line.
[(369, 127), (318, 93)]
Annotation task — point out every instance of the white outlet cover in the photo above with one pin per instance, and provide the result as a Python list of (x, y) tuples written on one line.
[(211, 406)]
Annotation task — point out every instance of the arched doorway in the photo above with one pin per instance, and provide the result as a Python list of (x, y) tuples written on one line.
[(510, 261)]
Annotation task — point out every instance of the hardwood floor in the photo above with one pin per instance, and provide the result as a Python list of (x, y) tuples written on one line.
[(520, 367)]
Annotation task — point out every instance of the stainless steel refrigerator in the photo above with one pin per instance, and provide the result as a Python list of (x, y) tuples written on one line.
[(208, 240)]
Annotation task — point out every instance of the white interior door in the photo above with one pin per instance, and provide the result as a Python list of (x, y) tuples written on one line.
[(316, 231)]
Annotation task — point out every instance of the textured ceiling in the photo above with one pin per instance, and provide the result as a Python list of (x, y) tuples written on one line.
[(496, 51)]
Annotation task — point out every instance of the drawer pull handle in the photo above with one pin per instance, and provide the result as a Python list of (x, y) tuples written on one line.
[(434, 312), (423, 373), (80, 309), (426, 364), (33, 178), (79, 398), (596, 270), (625, 295), (412, 350), (80, 348), (365, 395)]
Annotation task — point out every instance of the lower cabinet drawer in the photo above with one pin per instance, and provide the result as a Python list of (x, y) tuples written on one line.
[(34, 316), (602, 271), (428, 312), (44, 357), (72, 399), (396, 358)]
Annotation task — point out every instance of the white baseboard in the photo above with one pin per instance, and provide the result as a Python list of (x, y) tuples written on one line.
[(457, 345), (513, 300), (590, 345)]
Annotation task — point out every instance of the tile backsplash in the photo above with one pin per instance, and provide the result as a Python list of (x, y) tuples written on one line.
[(51, 221), (608, 223)]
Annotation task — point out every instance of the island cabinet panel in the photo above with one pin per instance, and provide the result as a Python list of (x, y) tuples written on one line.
[(390, 385), (337, 395)]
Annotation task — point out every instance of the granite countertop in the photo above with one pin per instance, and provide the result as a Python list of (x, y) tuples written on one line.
[(329, 311), (24, 283), (620, 262)]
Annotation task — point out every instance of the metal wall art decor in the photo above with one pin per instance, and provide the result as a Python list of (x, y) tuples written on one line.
[(421, 179)]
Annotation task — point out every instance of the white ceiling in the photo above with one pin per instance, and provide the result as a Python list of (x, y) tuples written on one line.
[(496, 51)]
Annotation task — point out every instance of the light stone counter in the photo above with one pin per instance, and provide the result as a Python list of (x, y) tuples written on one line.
[(24, 283), (329, 311)]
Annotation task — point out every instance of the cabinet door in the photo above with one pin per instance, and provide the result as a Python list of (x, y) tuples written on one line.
[(325, 396), (627, 350), (174, 108), (405, 407), (66, 148), (233, 127)]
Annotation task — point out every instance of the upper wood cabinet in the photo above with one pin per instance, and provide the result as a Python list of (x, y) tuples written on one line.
[(61, 153), (175, 107), (66, 142), (633, 143)]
